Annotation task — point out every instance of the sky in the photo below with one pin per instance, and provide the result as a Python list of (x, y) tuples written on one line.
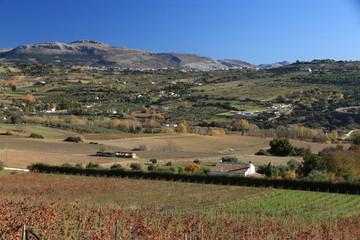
[(256, 31)]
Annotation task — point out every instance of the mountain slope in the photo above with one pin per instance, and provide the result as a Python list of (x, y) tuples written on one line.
[(94, 53)]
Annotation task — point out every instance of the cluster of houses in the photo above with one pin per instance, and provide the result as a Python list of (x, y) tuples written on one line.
[(117, 154)]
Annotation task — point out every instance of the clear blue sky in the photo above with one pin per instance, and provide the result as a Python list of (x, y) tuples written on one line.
[(257, 31)]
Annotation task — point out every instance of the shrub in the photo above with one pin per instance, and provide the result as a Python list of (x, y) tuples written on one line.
[(293, 165), (169, 163), (299, 151), (153, 161), (2, 166), (79, 165), (205, 170), (75, 139), (66, 165), (93, 165), (35, 135), (197, 161), (262, 152), (180, 169), (135, 166), (151, 167), (229, 159), (290, 174), (141, 147), (192, 167), (317, 175), (115, 166), (355, 138), (172, 169)]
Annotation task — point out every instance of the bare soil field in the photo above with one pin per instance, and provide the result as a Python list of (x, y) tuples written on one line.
[(20, 151)]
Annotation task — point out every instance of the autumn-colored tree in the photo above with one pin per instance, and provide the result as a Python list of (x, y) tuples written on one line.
[(145, 110), (241, 124), (332, 136), (30, 98), (182, 128), (290, 175), (114, 123), (192, 167)]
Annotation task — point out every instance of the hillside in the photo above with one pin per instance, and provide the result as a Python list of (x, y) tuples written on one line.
[(94, 53), (97, 54)]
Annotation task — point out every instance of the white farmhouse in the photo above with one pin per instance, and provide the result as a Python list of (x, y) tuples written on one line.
[(241, 169)]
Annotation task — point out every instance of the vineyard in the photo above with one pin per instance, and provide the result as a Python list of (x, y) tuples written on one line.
[(78, 207)]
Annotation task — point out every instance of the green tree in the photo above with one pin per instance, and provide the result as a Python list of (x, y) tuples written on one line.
[(135, 166), (270, 171), (229, 159), (281, 147), (311, 162)]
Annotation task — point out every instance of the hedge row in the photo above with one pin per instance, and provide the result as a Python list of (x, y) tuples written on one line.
[(341, 187)]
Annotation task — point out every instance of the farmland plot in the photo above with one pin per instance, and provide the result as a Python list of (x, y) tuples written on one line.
[(77, 207)]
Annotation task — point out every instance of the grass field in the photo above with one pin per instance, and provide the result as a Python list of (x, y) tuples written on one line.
[(76, 207)]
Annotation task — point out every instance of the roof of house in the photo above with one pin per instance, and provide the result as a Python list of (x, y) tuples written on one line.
[(226, 167)]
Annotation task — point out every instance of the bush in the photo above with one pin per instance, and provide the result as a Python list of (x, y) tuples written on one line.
[(2, 165), (66, 165), (135, 166), (75, 139), (153, 161), (141, 147), (93, 165), (35, 135), (300, 151), (197, 161), (229, 159), (205, 170), (262, 152), (293, 165), (115, 166), (151, 167), (79, 165), (169, 163), (192, 167), (317, 175)]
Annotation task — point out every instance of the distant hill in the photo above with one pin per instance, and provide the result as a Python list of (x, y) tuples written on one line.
[(233, 63), (94, 53), (275, 65)]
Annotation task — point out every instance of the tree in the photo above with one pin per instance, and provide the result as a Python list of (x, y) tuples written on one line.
[(270, 171), (135, 166), (311, 162), (355, 138), (231, 159), (281, 147), (30, 98), (192, 167)]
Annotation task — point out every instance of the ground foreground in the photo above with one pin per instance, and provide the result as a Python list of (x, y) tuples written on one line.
[(77, 207)]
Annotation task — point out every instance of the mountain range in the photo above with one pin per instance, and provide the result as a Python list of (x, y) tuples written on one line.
[(95, 53)]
